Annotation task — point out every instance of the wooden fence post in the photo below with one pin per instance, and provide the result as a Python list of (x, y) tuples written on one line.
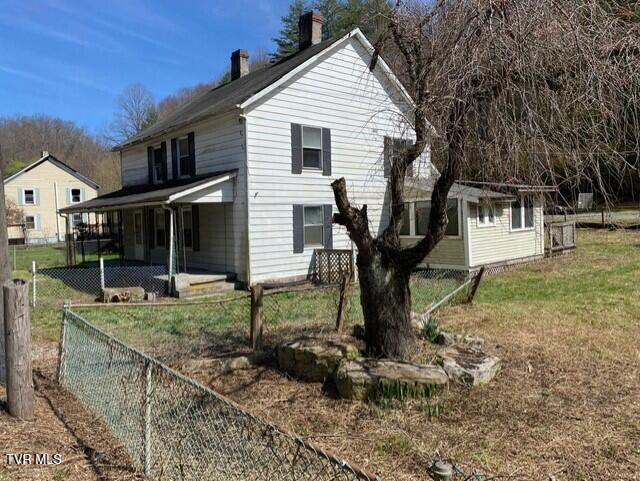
[(257, 293), (476, 283), (17, 318), (344, 285), (33, 283)]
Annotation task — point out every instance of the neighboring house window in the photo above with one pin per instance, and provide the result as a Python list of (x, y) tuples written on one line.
[(160, 233), (406, 220), (486, 215), (311, 147), (187, 228), (75, 196), (30, 222), (423, 212), (393, 151), (183, 156), (313, 226), (76, 219), (522, 214), (29, 197)]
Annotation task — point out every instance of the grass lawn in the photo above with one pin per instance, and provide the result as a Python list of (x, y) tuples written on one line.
[(565, 406)]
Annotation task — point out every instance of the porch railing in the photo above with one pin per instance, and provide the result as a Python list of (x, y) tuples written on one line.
[(331, 265)]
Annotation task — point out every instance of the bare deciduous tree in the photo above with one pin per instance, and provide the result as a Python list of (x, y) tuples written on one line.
[(136, 111), (522, 91)]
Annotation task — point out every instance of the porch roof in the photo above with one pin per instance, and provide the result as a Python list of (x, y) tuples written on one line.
[(141, 195)]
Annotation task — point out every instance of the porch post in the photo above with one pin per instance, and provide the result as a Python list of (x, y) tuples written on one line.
[(171, 250)]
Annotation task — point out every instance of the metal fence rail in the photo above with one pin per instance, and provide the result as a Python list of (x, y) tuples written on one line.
[(177, 428)]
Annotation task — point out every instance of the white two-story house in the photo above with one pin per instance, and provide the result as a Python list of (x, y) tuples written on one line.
[(237, 181)]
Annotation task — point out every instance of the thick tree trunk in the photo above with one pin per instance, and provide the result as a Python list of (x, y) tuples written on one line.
[(386, 304)]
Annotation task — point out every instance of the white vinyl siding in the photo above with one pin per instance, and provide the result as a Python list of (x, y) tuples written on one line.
[(338, 93)]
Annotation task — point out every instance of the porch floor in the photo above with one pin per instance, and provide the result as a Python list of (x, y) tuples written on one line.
[(201, 277)]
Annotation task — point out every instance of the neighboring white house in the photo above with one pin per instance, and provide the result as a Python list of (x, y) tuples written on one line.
[(237, 181), (41, 189)]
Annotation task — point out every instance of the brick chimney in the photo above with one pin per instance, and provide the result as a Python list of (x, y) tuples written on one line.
[(239, 64), (309, 29)]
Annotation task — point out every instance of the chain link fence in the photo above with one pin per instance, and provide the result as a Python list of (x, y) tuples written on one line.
[(51, 286), (176, 428)]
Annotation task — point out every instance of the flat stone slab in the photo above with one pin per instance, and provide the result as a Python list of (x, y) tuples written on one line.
[(469, 365), (365, 378), (122, 294), (315, 359), (446, 338)]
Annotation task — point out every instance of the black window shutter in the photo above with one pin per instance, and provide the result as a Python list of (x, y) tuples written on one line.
[(298, 229), (388, 147), (195, 223), (296, 149), (174, 158), (167, 223), (152, 230), (150, 163), (328, 226), (163, 156), (326, 151), (403, 146), (191, 138)]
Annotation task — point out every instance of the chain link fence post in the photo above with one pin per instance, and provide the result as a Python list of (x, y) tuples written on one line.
[(147, 417), (61, 343), (33, 283), (101, 273)]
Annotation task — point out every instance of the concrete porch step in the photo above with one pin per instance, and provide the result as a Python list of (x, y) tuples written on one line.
[(206, 288)]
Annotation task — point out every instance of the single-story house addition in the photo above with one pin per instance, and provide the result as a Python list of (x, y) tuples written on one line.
[(41, 190), (235, 184), (486, 228)]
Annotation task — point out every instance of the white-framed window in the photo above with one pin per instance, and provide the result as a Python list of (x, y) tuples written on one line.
[(76, 219), (160, 231), (29, 196), (158, 168), (422, 212), (522, 213), (311, 147), (187, 228), (76, 196), (183, 156), (313, 226), (406, 220), (486, 215), (30, 221)]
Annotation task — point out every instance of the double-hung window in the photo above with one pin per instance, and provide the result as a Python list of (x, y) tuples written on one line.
[(158, 168), (30, 222), (311, 147), (486, 215), (183, 156), (29, 197), (313, 226), (75, 196), (423, 213), (160, 232), (406, 220), (522, 213), (76, 219)]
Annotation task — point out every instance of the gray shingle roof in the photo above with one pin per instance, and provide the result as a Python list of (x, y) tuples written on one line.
[(225, 97)]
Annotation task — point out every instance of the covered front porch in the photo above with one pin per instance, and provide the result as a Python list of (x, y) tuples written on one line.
[(185, 225)]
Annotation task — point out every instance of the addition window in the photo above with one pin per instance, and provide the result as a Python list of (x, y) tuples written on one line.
[(160, 233), (183, 156), (29, 197), (158, 168), (522, 214), (187, 228), (406, 220), (313, 226), (423, 212), (30, 222), (311, 147), (75, 196), (486, 215)]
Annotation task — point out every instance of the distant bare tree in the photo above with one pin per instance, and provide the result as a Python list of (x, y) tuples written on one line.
[(522, 91), (14, 213), (136, 111)]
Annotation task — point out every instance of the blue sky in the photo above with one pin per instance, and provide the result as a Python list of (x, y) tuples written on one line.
[(71, 58)]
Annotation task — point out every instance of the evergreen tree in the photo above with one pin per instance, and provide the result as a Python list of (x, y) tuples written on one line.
[(287, 41)]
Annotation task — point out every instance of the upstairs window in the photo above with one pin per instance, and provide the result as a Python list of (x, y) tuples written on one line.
[(29, 197), (75, 196), (158, 168), (184, 156), (313, 226), (311, 147)]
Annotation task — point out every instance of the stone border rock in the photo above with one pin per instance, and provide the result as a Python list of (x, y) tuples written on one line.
[(315, 359)]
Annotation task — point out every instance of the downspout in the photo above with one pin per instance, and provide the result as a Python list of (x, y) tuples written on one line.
[(55, 198), (243, 120)]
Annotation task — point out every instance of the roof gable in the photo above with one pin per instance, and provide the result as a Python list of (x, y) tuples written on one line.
[(58, 163), (246, 90)]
